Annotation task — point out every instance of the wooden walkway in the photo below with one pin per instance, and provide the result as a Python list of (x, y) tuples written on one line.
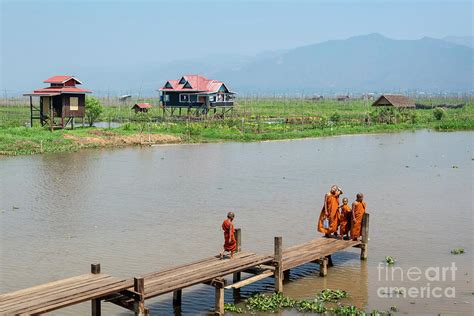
[(132, 293)]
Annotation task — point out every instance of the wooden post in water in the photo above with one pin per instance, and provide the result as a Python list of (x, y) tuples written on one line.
[(219, 285), (365, 237), (177, 298), (236, 276), (323, 267), (286, 275), (139, 304), (278, 260), (95, 303)]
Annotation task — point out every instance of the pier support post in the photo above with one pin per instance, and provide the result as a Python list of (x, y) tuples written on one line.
[(323, 267), (139, 304), (365, 237), (219, 287), (177, 298), (278, 261), (236, 276), (95, 303)]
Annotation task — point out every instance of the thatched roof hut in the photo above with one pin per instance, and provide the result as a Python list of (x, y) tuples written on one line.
[(395, 100)]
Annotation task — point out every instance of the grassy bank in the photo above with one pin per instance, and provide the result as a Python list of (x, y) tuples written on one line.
[(252, 120)]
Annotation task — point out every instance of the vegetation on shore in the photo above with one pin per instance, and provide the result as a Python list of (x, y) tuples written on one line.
[(251, 120)]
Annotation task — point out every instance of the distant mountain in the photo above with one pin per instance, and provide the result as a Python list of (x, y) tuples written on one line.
[(460, 40), (369, 63), (359, 64)]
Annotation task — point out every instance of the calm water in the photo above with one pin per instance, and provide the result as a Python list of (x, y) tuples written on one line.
[(140, 210)]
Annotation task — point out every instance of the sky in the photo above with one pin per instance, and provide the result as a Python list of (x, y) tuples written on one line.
[(39, 38)]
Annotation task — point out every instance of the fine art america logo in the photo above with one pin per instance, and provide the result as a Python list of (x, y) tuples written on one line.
[(431, 279)]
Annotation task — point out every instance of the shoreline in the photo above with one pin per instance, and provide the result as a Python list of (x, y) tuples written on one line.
[(104, 138)]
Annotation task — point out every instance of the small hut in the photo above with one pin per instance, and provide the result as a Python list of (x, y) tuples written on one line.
[(61, 100), (141, 107), (394, 100)]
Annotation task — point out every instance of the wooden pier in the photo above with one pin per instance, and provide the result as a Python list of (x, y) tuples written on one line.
[(132, 293)]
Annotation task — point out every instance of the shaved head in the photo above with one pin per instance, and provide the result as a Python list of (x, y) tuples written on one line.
[(230, 215)]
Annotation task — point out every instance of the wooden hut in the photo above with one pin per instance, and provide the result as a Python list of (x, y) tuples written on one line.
[(395, 100), (141, 107), (62, 101)]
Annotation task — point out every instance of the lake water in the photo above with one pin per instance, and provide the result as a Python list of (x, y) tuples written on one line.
[(138, 210)]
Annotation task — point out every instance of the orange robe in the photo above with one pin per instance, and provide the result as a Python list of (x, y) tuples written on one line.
[(359, 211), (345, 219), (229, 231), (333, 204)]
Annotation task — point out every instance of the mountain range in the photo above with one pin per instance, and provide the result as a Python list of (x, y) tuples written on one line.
[(360, 64)]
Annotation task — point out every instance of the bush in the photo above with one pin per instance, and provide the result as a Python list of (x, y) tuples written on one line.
[(93, 110), (439, 113), (335, 117)]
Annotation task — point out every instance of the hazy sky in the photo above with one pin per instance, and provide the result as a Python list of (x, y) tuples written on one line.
[(43, 37)]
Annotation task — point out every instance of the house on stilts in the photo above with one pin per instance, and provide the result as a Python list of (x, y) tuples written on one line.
[(196, 94), (60, 103)]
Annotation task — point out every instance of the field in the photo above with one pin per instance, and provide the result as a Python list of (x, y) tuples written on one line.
[(253, 119)]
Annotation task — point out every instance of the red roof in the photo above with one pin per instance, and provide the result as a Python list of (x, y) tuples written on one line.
[(61, 79), (197, 83), (143, 105), (58, 86)]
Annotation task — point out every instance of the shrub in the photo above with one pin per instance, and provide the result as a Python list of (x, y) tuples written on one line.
[(93, 110), (439, 113), (335, 117)]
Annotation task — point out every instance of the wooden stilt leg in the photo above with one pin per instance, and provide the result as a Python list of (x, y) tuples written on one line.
[(365, 237), (95, 303), (139, 304), (219, 287), (278, 265), (177, 298), (330, 264), (323, 267)]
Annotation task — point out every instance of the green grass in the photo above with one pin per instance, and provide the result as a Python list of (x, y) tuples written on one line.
[(251, 120)]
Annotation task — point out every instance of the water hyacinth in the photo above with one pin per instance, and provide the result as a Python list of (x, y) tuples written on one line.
[(457, 251), (272, 303), (390, 260)]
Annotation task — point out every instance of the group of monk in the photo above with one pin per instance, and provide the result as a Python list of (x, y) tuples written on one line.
[(341, 220), (336, 221)]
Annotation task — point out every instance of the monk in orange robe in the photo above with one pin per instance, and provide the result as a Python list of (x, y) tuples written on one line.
[(345, 218), (230, 243), (330, 211), (358, 211)]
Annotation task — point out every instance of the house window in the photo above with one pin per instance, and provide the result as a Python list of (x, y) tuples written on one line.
[(167, 97), (187, 85), (211, 98), (182, 80), (73, 103), (183, 97), (193, 98), (168, 85)]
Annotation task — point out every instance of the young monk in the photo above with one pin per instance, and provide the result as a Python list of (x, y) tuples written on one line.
[(345, 218), (230, 243), (358, 211), (329, 211)]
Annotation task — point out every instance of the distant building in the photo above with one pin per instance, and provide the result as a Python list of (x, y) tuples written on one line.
[(62, 101), (141, 107), (196, 92), (395, 100), (343, 98)]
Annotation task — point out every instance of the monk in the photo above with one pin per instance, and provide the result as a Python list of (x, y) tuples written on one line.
[(345, 218), (230, 243), (358, 211), (330, 212)]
